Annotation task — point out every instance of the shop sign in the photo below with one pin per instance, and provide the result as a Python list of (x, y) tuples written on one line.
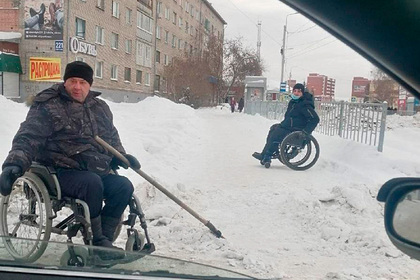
[(77, 46), (44, 69)]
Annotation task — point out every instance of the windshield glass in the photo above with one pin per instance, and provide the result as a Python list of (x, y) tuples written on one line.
[(134, 263)]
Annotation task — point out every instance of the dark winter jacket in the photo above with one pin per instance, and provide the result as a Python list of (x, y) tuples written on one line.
[(59, 131), (241, 103), (301, 115)]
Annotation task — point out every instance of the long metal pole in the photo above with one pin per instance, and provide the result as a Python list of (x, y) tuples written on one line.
[(283, 52), (113, 151)]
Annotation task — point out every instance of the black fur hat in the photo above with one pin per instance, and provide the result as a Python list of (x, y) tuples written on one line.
[(299, 86), (79, 69)]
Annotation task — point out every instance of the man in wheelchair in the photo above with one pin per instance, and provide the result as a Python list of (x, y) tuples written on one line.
[(300, 116), (59, 131)]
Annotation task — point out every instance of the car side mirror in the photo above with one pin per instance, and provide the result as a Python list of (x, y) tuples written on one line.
[(402, 213)]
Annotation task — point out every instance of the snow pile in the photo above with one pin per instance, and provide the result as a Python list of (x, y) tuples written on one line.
[(323, 223)]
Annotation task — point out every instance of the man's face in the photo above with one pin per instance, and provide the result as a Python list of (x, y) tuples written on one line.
[(297, 92), (78, 88)]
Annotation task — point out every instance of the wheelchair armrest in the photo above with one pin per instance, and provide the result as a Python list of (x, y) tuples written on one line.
[(48, 176)]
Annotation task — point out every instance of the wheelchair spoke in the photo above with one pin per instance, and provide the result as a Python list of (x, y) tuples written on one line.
[(15, 229)]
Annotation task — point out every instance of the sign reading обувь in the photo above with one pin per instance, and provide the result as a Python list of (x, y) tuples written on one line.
[(77, 46)]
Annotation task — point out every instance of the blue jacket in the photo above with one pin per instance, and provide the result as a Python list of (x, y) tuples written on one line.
[(300, 114)]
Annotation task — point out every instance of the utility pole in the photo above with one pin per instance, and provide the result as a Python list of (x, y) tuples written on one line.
[(259, 42), (283, 49)]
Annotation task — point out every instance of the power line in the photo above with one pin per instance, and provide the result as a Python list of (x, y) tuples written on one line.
[(298, 54), (296, 32), (312, 42), (254, 23)]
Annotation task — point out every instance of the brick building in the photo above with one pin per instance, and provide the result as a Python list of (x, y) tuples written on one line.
[(183, 28), (322, 87), (124, 41), (359, 89)]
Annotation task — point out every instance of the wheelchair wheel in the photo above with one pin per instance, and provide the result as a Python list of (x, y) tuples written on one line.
[(135, 242), (25, 215), (299, 153), (80, 260)]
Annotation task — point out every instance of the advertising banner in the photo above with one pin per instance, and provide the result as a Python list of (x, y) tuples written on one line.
[(44, 69), (43, 20)]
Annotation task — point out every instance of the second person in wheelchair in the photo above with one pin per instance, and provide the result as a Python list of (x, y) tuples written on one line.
[(59, 131), (300, 116)]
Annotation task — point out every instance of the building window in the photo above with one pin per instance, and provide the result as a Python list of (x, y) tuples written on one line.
[(114, 41), (157, 56), (80, 28), (174, 18), (127, 74), (180, 22), (115, 9), (138, 77), (173, 41), (128, 16), (99, 65), (128, 46), (114, 72), (100, 4), (157, 32), (165, 59), (158, 8), (144, 22), (187, 27), (99, 35), (157, 83), (143, 54), (179, 44), (147, 79), (167, 13), (207, 25), (166, 37)]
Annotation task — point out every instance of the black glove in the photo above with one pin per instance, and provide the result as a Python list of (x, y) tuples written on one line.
[(8, 177), (134, 163)]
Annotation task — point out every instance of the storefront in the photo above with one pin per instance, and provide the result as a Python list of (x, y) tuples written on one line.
[(10, 65)]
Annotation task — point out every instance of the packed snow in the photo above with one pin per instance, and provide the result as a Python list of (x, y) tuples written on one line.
[(322, 223)]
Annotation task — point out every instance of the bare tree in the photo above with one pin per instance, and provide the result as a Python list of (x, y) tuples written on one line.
[(194, 78), (238, 62), (385, 88)]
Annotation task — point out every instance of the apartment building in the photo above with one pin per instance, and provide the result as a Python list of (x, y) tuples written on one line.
[(322, 87), (359, 89), (126, 42), (183, 28)]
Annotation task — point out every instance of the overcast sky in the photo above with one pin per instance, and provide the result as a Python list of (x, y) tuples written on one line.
[(309, 49)]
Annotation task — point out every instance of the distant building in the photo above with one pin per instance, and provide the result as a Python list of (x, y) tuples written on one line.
[(291, 83), (127, 43), (360, 89), (322, 87)]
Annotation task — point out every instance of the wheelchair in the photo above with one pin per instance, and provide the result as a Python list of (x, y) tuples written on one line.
[(297, 151), (32, 211)]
